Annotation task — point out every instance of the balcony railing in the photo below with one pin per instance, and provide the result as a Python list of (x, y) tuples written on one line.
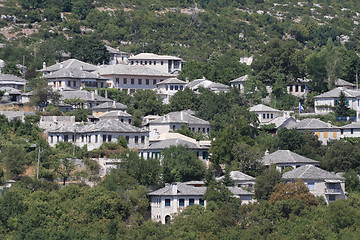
[(333, 190)]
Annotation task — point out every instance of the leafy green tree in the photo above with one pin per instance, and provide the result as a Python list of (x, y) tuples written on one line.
[(79, 49), (352, 182), (342, 109), (64, 169), (181, 164), (246, 158), (183, 100), (81, 8), (14, 160), (218, 193), (265, 183), (11, 68)]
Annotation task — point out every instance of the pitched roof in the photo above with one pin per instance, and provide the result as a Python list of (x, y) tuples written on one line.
[(73, 73), (286, 157), (15, 114), (354, 125), (182, 190), (136, 70), (152, 56), (262, 108), (171, 81), (114, 50), (174, 142), (335, 93), (239, 176), (83, 95), (179, 117), (115, 114), (104, 125), (10, 77), (341, 83), (240, 79), (205, 84), (111, 105), (71, 63), (310, 124), (239, 191), (311, 172)]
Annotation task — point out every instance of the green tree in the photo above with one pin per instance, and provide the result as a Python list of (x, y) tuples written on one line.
[(14, 160), (79, 49), (218, 193), (11, 68), (264, 184), (181, 164), (64, 169), (342, 109), (183, 100)]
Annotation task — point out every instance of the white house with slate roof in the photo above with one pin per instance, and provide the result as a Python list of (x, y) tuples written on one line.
[(130, 78), (172, 199), (196, 84), (324, 131), (345, 84), (162, 63), (12, 81), (88, 99), (95, 134), (173, 121), (319, 182), (239, 83), (117, 56), (297, 87), (167, 88), (106, 107), (241, 180), (285, 158), (154, 150), (268, 115)]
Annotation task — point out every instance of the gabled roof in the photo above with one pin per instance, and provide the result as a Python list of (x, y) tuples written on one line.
[(239, 176), (152, 56), (238, 191), (181, 190), (311, 172), (114, 50), (286, 157), (111, 106), (179, 117), (174, 142), (10, 90), (262, 108), (71, 63), (104, 125), (115, 114), (83, 95), (171, 81), (10, 77), (335, 93), (73, 73), (136, 70), (309, 124), (343, 83), (353, 125), (240, 79), (197, 83)]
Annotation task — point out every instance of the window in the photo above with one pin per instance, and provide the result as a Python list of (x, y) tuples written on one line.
[(167, 202), (59, 83), (139, 81), (352, 131), (334, 134), (74, 83), (109, 138), (208, 130), (154, 81), (310, 185), (57, 138), (132, 62), (272, 116), (181, 202), (51, 139), (264, 115), (125, 80), (191, 201), (268, 116), (132, 81), (142, 139), (201, 202), (96, 138), (342, 131), (141, 62), (104, 138), (117, 80), (162, 62), (136, 139), (66, 138), (73, 138), (154, 62), (147, 81), (205, 155), (203, 130), (82, 138), (296, 88), (145, 62), (54, 84), (149, 62), (127, 139), (176, 87), (171, 87), (90, 139), (181, 87), (290, 88), (332, 198), (325, 134)]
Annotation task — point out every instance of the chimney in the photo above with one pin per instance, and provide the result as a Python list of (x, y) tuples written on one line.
[(82, 68), (106, 94), (114, 104), (267, 152), (92, 95), (61, 65), (181, 115), (174, 189), (44, 65), (96, 92), (187, 80)]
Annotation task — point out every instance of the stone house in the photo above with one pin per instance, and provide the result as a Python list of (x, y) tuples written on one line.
[(162, 63)]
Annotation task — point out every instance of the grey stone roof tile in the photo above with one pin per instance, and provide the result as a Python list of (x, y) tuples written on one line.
[(286, 157), (262, 108), (110, 105), (179, 117), (83, 95), (182, 190), (135, 70), (10, 77), (174, 142), (171, 81), (311, 172), (240, 79), (310, 124), (73, 73), (152, 56), (71, 63)]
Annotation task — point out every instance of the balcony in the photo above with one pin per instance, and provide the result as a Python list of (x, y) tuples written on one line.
[(333, 191)]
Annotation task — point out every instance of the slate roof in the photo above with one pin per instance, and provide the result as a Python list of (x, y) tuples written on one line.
[(15, 114), (73, 73), (83, 95), (104, 125), (239, 176), (353, 125), (115, 114), (152, 56), (136, 70), (71, 63), (171, 81), (10, 90), (179, 117), (335, 93), (10, 77), (262, 108), (239, 191), (286, 157), (341, 82), (205, 84), (240, 79), (311, 172), (110, 105), (114, 50), (310, 124), (174, 142), (182, 190)]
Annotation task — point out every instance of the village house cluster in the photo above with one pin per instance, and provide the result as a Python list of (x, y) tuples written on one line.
[(110, 120)]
